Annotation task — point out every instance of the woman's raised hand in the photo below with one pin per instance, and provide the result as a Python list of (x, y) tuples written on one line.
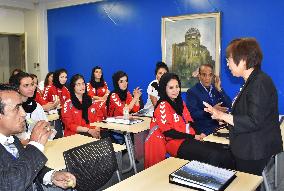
[(137, 92)]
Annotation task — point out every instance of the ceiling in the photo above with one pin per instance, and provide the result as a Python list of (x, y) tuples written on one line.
[(30, 4)]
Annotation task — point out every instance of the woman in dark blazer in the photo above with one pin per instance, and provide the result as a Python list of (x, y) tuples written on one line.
[(253, 123)]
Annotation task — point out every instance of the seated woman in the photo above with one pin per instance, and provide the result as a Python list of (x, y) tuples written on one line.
[(34, 112), (120, 98), (58, 89), (57, 92), (46, 82), (152, 89), (47, 106), (79, 111), (171, 131), (97, 87)]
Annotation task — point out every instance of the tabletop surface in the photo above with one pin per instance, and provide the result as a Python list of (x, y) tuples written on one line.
[(215, 139), (157, 178), (53, 150), (135, 128)]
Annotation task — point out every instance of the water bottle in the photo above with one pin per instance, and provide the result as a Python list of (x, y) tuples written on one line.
[(126, 112)]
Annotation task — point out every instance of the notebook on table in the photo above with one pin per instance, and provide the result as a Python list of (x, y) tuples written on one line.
[(202, 176), (121, 120)]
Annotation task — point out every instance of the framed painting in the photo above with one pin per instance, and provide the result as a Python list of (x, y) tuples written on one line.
[(189, 41)]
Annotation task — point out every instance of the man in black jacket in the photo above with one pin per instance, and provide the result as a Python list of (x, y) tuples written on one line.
[(21, 167)]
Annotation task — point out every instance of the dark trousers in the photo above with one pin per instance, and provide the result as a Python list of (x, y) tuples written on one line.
[(211, 153), (251, 166)]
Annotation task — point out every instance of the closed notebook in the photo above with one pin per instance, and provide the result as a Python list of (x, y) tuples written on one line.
[(202, 176), (120, 120)]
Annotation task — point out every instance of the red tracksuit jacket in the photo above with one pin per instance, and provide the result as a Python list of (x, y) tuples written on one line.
[(101, 91), (166, 119), (72, 117), (116, 105), (39, 99), (51, 91)]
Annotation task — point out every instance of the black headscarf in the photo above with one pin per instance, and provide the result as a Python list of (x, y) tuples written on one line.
[(56, 75), (30, 105), (177, 104), (121, 93), (86, 99), (93, 82)]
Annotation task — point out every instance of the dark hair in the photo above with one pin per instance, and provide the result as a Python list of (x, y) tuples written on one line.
[(161, 65), (16, 70), (246, 49), (16, 79), (46, 78), (73, 81), (86, 99), (5, 87), (205, 65), (33, 76), (93, 81), (56, 75), (121, 93), (177, 105)]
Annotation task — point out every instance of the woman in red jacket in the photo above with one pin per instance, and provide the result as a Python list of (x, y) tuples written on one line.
[(97, 87), (120, 97), (58, 89), (79, 111), (171, 130), (47, 106)]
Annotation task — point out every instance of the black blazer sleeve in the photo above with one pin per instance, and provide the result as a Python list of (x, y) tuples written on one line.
[(18, 174)]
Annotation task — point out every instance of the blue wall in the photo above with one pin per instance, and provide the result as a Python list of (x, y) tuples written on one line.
[(126, 35)]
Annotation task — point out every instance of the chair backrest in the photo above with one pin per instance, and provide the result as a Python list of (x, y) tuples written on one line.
[(273, 173), (93, 164)]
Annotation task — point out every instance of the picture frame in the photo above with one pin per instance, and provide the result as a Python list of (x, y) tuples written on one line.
[(189, 41)]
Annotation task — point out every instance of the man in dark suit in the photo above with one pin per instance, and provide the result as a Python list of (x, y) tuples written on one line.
[(211, 93), (21, 167)]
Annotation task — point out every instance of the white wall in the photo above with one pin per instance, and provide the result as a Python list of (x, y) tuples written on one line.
[(24, 17), (12, 21), (30, 22)]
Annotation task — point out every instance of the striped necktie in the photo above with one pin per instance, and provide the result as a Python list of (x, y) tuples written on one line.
[(13, 150)]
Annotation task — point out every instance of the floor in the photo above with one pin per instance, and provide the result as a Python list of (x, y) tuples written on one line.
[(139, 155)]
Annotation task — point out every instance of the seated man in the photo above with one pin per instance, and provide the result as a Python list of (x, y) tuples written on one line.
[(23, 168), (211, 93)]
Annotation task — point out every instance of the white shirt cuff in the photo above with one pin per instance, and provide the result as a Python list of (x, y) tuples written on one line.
[(37, 145), (47, 177)]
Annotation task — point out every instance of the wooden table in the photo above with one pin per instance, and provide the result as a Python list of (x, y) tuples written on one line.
[(157, 178), (126, 130), (215, 139), (53, 150)]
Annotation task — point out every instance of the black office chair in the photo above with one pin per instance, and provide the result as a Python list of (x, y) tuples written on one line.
[(93, 164), (273, 173)]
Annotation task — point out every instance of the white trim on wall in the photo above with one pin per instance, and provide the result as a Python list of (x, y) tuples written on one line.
[(52, 4), (17, 4)]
